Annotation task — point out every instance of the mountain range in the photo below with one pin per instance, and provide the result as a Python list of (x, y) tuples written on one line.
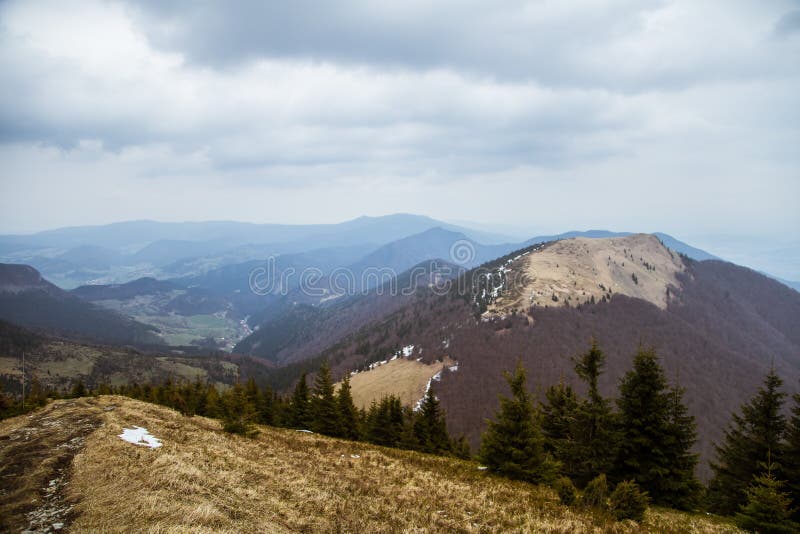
[(281, 299)]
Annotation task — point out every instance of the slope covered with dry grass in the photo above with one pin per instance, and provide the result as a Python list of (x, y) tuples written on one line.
[(404, 378), (582, 270), (203, 480)]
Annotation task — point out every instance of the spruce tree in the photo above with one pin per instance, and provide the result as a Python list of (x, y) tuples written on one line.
[(239, 412), (558, 417), (513, 445), (767, 507), (594, 435), (657, 434), (266, 407), (681, 488), (324, 410), (408, 438), (750, 439), (385, 422), (429, 426), (348, 414), (213, 404), (791, 460), (460, 448), (299, 411), (78, 389), (255, 398)]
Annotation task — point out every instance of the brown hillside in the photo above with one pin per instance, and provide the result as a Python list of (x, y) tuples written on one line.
[(717, 337), (70, 468)]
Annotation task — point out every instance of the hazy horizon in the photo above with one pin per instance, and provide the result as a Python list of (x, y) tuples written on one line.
[(737, 249)]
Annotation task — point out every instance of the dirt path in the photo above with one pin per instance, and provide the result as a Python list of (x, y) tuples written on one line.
[(35, 460)]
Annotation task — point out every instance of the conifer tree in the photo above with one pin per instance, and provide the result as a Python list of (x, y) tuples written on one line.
[(324, 410), (657, 434), (558, 417), (594, 434), (767, 507), (751, 437), (408, 437), (513, 445), (213, 407), (681, 488), (266, 407), (460, 448), (78, 389), (791, 460), (252, 393), (239, 412), (385, 422), (348, 414), (430, 429), (299, 409)]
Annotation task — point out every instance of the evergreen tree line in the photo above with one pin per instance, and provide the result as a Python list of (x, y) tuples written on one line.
[(319, 408), (36, 396), (757, 466), (642, 443), (646, 440)]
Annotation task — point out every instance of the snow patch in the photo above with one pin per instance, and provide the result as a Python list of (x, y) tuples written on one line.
[(377, 364), (438, 378), (140, 436)]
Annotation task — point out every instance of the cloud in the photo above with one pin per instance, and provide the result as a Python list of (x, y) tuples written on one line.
[(788, 23), (621, 45), (277, 112)]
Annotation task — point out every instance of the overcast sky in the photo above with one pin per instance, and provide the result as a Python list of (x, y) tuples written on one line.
[(678, 116)]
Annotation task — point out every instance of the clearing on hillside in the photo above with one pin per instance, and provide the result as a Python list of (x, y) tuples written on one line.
[(405, 378)]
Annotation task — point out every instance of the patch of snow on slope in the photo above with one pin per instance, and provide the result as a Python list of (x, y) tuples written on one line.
[(438, 378), (140, 436)]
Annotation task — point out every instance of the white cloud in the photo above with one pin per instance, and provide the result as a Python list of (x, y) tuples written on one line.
[(675, 116)]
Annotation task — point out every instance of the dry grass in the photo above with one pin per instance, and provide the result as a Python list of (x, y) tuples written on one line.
[(573, 270), (36, 453), (403, 378), (204, 480)]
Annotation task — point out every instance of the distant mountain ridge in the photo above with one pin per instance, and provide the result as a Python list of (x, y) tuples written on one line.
[(28, 300), (121, 252)]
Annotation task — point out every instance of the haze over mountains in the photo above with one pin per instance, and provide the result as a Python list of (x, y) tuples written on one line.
[(191, 282), (282, 299), (124, 251)]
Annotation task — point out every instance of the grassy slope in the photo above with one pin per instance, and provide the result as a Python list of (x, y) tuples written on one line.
[(205, 480), (403, 377)]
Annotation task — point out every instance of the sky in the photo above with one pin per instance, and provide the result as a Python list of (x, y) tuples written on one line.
[(538, 116)]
